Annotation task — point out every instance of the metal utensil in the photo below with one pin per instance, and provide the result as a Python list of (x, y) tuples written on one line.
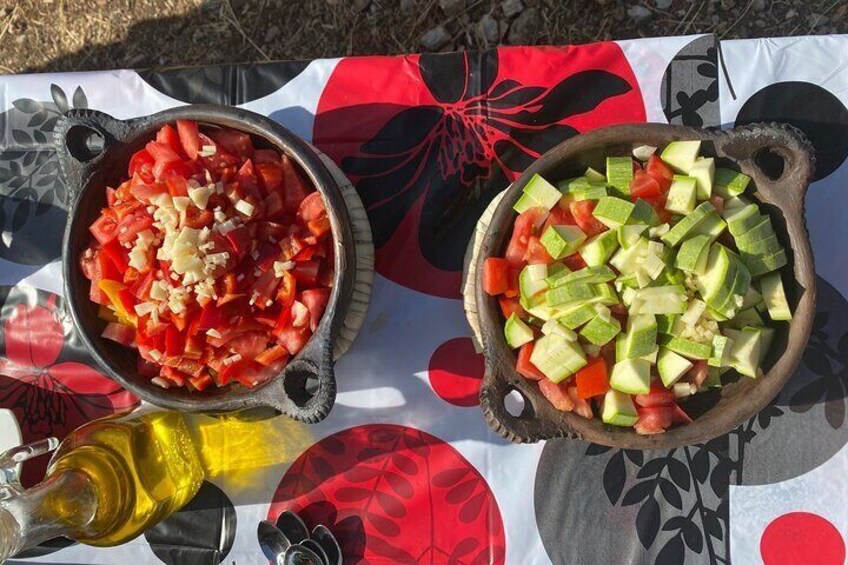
[(292, 527), (300, 555), (273, 542), (328, 542), (316, 547)]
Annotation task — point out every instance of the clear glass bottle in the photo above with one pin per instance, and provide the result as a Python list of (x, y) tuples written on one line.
[(108, 481)]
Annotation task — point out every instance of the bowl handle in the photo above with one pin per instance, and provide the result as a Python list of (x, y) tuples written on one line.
[(778, 156), (306, 389), (538, 419), (81, 138)]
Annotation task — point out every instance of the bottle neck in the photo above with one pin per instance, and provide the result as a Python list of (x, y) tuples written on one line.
[(63, 505)]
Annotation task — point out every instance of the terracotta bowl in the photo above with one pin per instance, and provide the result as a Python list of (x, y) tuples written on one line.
[(779, 160), (94, 149)]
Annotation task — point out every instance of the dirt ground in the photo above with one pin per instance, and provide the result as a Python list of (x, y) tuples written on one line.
[(76, 35)]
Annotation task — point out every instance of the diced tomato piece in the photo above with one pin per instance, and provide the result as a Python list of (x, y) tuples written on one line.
[(536, 252), (581, 406), (274, 204), (592, 379), (141, 163), (264, 289), (653, 420), (582, 212), (559, 216), (678, 416), (266, 254), (512, 289), (163, 169), (315, 300), (131, 225), (658, 396), (104, 229), (557, 394), (644, 186), (168, 137), (663, 174), (510, 306), (177, 185), (162, 153), (523, 365), (114, 261), (270, 175), (526, 224), (311, 208), (249, 344), (110, 196), (495, 276), (294, 187), (272, 354), (292, 338), (189, 137), (718, 202), (306, 273), (148, 191), (698, 373), (210, 317), (119, 333), (234, 142), (197, 219), (141, 288), (286, 290), (305, 254), (268, 230), (319, 227), (575, 262)]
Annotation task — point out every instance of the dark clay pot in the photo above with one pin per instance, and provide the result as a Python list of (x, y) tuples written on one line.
[(94, 150), (780, 162)]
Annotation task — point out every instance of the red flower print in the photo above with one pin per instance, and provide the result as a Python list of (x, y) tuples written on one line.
[(432, 138), (42, 378), (394, 494)]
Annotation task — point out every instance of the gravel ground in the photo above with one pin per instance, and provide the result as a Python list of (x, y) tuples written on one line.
[(76, 35)]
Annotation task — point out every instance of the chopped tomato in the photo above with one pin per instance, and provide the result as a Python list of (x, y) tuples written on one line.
[(315, 300), (294, 187), (141, 164), (698, 373), (162, 153), (177, 185), (195, 218), (168, 137), (104, 229), (644, 186), (575, 262), (536, 252), (319, 227), (292, 338), (271, 175), (663, 174), (653, 419), (306, 273), (174, 342), (271, 355), (311, 208), (119, 333), (234, 142), (189, 137), (495, 276), (718, 202), (557, 394), (658, 396), (239, 240), (263, 156), (510, 306), (582, 212), (526, 224), (524, 367), (559, 216), (592, 379), (130, 226), (512, 288), (581, 405), (287, 288)]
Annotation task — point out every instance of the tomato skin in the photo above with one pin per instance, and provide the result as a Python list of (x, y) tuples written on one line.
[(294, 188), (653, 420), (536, 253), (141, 163), (644, 186), (495, 276), (234, 142), (661, 172), (524, 367), (315, 300), (592, 379), (131, 225), (510, 306), (162, 153), (311, 208), (658, 396), (168, 136), (104, 229), (177, 185), (189, 137), (270, 174), (582, 212), (292, 338), (557, 394), (560, 216), (526, 224)]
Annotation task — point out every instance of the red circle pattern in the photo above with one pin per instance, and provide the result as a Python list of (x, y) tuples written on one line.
[(456, 372), (802, 538), (394, 494)]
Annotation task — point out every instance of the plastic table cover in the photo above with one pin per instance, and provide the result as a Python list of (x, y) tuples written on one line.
[(405, 470)]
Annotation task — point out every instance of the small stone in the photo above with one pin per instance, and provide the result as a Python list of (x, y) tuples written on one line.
[(523, 29), (511, 8), (361, 5), (816, 20), (760, 24), (488, 29), (715, 19), (452, 7), (663, 4), (407, 6), (639, 13), (435, 39), (272, 34), (758, 5), (790, 13)]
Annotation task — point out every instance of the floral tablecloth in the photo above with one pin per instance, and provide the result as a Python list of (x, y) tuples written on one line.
[(405, 470)]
